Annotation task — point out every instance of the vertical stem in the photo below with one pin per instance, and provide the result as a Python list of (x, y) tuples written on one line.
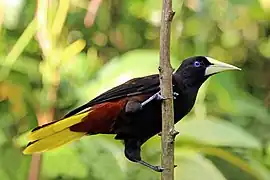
[(168, 132), (91, 12), (46, 116), (35, 167)]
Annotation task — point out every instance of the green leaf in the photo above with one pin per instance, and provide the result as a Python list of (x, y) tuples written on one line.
[(63, 162), (242, 2), (22, 140), (265, 48), (233, 100), (4, 175), (4, 113), (13, 162), (3, 138), (76, 70), (194, 166), (18, 48), (213, 131), (231, 158), (104, 158), (260, 169)]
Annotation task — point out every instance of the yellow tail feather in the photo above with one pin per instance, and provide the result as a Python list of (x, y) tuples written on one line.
[(56, 127), (54, 135), (53, 141)]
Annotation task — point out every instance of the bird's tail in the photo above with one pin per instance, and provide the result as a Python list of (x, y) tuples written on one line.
[(54, 134)]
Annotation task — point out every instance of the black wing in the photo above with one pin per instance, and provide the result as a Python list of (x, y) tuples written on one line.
[(136, 86)]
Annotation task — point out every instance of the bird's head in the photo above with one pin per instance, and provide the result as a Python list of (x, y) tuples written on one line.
[(195, 70)]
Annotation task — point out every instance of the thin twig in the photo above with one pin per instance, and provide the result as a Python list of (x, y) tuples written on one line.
[(166, 70), (91, 12), (47, 116), (35, 167)]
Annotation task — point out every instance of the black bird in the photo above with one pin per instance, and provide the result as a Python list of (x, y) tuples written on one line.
[(131, 110)]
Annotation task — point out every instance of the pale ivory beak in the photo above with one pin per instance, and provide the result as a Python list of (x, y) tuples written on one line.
[(218, 66)]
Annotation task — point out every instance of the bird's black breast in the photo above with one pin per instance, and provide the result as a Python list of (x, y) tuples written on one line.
[(183, 105)]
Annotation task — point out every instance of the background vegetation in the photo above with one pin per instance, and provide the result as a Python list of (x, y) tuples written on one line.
[(56, 55)]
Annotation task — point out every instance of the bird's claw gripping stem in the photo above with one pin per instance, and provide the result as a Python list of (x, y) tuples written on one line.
[(155, 168), (159, 169)]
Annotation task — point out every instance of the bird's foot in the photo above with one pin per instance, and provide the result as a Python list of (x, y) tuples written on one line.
[(158, 96), (134, 106), (155, 168), (158, 168)]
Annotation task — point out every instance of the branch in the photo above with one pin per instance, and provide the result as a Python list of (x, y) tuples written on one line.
[(91, 12), (35, 166), (47, 116), (165, 68)]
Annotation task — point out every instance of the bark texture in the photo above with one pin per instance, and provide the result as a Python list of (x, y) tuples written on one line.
[(165, 70)]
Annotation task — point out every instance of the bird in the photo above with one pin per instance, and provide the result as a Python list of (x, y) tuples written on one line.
[(131, 111)]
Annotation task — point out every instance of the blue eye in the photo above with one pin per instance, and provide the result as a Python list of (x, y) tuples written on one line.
[(197, 64)]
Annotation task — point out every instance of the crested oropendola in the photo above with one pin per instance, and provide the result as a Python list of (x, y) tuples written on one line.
[(131, 110)]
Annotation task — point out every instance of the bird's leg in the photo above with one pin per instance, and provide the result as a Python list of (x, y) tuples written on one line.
[(133, 153), (157, 96), (134, 106)]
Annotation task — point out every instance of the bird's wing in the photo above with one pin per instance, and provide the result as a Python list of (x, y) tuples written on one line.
[(99, 119), (133, 87)]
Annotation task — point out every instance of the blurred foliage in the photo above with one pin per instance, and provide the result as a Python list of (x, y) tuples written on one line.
[(50, 61)]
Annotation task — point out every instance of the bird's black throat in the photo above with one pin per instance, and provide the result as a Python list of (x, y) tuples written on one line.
[(187, 90)]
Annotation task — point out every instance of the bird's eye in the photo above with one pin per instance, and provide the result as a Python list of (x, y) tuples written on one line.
[(197, 64)]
